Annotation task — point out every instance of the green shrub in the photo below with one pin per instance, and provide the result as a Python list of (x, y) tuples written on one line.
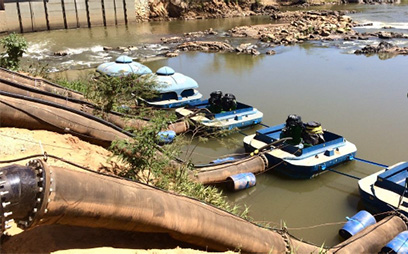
[(140, 154), (15, 46), (107, 91), (81, 84)]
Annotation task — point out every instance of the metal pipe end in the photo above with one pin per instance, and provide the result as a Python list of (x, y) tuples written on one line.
[(38, 168), (2, 217), (22, 191)]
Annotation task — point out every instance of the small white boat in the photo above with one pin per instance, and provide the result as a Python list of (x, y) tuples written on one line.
[(300, 160), (222, 113), (386, 189)]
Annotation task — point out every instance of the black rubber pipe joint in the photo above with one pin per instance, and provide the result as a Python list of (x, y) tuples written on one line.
[(21, 189)]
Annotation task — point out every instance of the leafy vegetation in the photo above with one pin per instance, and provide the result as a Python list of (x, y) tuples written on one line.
[(113, 92), (77, 85), (15, 46), (107, 91)]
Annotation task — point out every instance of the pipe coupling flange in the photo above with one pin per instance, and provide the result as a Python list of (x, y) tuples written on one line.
[(40, 194), (4, 203), (7, 200), (265, 160)]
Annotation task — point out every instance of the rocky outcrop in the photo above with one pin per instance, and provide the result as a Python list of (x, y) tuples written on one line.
[(390, 35), (121, 48), (206, 46), (163, 10), (218, 46), (209, 31), (199, 9), (204, 9), (296, 15), (174, 39), (190, 36), (301, 26), (171, 9), (382, 35), (383, 48), (265, 9), (371, 1), (247, 48), (270, 52), (61, 53), (142, 10)]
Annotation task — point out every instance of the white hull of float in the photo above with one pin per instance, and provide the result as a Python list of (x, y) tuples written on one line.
[(318, 158), (174, 103), (309, 164), (229, 121), (381, 199)]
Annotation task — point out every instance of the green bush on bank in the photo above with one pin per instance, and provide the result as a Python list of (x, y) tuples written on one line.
[(15, 46), (110, 92), (107, 91)]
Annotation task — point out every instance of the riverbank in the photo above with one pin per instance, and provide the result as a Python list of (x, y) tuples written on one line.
[(209, 9)]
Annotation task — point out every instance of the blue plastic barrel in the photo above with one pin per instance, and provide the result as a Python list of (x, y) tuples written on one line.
[(166, 137), (356, 223), (242, 181), (397, 245), (223, 160)]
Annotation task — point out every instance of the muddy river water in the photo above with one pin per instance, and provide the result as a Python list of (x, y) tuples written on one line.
[(362, 98)]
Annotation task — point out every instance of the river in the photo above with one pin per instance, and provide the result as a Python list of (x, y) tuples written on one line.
[(362, 98)]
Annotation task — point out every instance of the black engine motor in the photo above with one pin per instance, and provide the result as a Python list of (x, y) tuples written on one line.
[(229, 102), (313, 133), (293, 129), (215, 101)]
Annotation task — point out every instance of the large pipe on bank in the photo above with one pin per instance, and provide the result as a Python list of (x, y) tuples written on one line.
[(25, 112), (38, 194), (63, 98), (40, 84), (211, 174)]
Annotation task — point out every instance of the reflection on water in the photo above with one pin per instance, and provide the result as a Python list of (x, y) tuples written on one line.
[(362, 98), (239, 66)]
